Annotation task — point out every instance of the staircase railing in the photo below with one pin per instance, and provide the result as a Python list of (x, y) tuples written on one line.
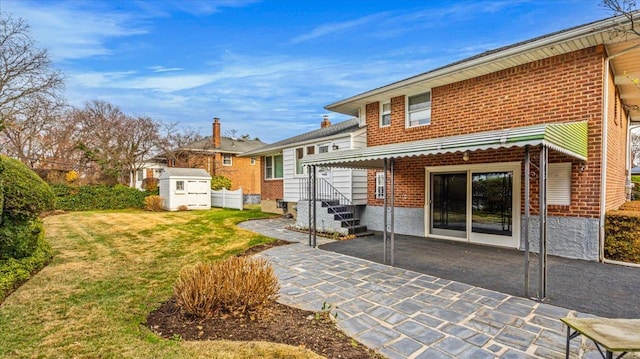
[(326, 192)]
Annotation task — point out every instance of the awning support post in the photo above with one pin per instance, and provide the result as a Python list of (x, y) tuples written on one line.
[(527, 203), (384, 210), (542, 178), (312, 207), (393, 210)]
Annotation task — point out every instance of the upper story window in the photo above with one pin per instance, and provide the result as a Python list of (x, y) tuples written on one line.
[(419, 110), (227, 159), (273, 167), (385, 114)]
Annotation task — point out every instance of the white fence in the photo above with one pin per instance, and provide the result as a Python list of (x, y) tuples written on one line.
[(227, 199)]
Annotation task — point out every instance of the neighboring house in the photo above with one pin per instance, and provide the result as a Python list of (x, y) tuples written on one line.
[(285, 179), (462, 140), (150, 169), (218, 155)]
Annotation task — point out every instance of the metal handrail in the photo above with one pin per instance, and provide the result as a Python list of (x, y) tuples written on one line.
[(326, 192)]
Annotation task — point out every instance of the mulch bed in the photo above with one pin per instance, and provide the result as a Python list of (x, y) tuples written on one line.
[(313, 330)]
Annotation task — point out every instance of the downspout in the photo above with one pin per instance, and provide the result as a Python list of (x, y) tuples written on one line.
[(603, 167)]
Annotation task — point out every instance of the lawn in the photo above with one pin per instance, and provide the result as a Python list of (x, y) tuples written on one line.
[(111, 268)]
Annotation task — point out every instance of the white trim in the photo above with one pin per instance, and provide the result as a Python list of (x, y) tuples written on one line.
[(226, 156), (480, 238), (380, 177), (407, 119), (383, 113)]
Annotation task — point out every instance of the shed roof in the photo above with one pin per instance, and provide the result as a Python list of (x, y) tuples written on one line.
[(184, 172)]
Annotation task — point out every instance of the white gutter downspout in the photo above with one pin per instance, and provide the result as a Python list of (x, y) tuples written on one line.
[(603, 167)]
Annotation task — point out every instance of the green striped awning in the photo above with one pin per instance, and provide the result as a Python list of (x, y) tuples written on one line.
[(567, 138)]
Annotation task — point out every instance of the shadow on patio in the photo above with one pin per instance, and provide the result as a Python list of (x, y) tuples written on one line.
[(601, 289)]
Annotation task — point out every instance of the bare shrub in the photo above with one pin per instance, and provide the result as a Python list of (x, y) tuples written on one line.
[(237, 286), (154, 203), (182, 208)]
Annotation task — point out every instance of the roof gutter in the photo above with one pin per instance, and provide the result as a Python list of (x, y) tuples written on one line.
[(593, 28)]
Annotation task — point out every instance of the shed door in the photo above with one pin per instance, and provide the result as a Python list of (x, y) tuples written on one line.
[(198, 187)]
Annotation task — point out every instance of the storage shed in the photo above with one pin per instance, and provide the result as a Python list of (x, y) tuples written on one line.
[(190, 187)]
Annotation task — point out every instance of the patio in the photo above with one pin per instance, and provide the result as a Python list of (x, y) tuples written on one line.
[(601, 289)]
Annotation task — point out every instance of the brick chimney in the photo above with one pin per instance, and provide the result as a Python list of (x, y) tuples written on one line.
[(216, 132), (325, 122)]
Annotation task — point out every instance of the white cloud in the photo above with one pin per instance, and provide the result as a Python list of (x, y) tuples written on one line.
[(164, 69), (72, 31), (331, 28)]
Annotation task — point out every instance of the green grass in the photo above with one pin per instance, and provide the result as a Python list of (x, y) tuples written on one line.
[(111, 268)]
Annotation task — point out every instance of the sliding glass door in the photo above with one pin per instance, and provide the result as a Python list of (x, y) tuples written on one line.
[(476, 203), (492, 202), (449, 204)]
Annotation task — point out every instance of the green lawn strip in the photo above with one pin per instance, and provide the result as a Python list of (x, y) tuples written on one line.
[(111, 268)]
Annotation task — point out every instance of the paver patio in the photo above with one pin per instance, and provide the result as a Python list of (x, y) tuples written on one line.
[(405, 314)]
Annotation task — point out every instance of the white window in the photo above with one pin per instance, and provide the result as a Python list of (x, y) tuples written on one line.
[(559, 184), (253, 161), (385, 114), (273, 167), (380, 179), (299, 156), (419, 110), (227, 159), (323, 148), (179, 185), (139, 174)]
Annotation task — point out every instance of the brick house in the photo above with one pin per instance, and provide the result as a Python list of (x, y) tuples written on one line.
[(218, 155), (284, 179), (463, 152)]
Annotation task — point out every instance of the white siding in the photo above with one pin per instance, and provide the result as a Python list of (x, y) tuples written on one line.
[(290, 181), (359, 180), (349, 182), (360, 139)]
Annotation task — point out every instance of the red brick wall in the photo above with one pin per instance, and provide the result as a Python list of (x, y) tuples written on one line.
[(564, 88), (241, 172), (616, 150), (272, 189)]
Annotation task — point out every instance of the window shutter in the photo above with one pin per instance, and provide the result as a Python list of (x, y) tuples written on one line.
[(559, 184)]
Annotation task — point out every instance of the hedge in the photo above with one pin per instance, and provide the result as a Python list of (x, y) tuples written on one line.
[(85, 198), (23, 194), (14, 272), (622, 235)]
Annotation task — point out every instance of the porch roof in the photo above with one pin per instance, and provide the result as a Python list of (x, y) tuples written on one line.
[(568, 138)]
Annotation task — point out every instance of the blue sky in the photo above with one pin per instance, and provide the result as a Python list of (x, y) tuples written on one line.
[(267, 68)]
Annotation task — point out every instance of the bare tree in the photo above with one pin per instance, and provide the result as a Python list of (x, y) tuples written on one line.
[(625, 8), (175, 146), (140, 143), (118, 143), (26, 71)]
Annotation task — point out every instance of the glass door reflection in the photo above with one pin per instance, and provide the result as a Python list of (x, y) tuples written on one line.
[(492, 202)]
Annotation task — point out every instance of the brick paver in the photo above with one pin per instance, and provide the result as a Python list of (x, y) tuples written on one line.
[(404, 314)]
